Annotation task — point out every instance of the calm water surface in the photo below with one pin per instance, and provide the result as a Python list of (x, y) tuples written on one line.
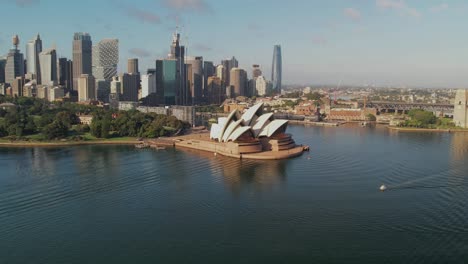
[(116, 204)]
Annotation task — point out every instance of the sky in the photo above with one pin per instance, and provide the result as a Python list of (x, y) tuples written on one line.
[(412, 43)]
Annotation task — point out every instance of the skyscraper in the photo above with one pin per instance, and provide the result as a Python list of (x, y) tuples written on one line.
[(460, 116), (33, 49), (209, 70), (14, 66), (129, 87), (82, 56), (2, 70), (48, 66), (86, 88), (105, 59), (148, 84), (166, 81), (132, 66), (228, 64), (196, 79), (238, 82), (276, 69), (215, 91), (65, 72), (256, 71), (182, 95), (262, 86)]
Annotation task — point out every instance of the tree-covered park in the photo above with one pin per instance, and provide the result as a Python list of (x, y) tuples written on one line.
[(39, 120)]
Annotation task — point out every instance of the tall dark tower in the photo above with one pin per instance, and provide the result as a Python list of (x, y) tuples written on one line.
[(182, 96), (14, 66), (277, 71), (82, 56)]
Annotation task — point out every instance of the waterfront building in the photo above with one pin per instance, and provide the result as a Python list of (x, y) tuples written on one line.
[(14, 65), (460, 116), (82, 56), (238, 81), (105, 59), (277, 70), (195, 78), (349, 114), (33, 49), (256, 71), (30, 89), (86, 88), (148, 84), (48, 66), (65, 73)]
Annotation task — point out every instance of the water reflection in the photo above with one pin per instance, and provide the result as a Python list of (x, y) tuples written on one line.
[(259, 175)]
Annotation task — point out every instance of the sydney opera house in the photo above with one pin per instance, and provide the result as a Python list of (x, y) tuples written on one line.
[(252, 135)]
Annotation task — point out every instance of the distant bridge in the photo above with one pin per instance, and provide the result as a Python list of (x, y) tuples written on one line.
[(397, 107)]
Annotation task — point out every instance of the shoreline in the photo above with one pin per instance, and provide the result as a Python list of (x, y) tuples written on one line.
[(32, 144), (436, 130)]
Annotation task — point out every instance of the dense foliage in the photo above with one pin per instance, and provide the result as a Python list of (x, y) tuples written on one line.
[(42, 120), (424, 119)]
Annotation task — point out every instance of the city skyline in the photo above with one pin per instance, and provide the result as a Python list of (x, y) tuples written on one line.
[(380, 42)]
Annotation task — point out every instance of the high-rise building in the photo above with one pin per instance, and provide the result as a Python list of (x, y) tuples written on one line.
[(103, 90), (196, 79), (2, 70), (262, 86), (276, 69), (238, 81), (17, 86), (86, 88), (220, 73), (460, 115), (132, 66), (33, 49), (228, 64), (256, 71), (82, 56), (105, 59), (130, 83), (148, 84), (115, 92), (182, 92), (209, 70), (48, 66), (216, 92), (65, 72), (167, 81), (14, 66)]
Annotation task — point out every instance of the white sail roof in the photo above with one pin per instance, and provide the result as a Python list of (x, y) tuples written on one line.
[(251, 113), (238, 133)]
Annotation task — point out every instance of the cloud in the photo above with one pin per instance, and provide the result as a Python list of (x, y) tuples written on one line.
[(199, 6), (202, 47), (26, 3), (352, 14), (142, 15), (439, 8), (139, 52), (400, 6)]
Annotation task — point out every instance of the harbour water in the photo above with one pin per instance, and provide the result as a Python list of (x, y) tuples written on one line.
[(118, 204)]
